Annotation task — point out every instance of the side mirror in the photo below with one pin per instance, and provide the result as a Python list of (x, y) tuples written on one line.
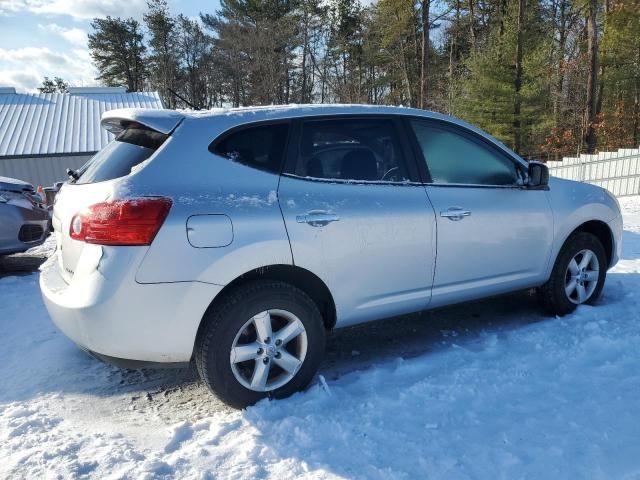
[(538, 175)]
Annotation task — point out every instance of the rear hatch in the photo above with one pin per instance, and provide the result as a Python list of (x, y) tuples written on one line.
[(103, 176)]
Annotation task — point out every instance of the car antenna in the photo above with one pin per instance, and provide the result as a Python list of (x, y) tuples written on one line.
[(183, 99)]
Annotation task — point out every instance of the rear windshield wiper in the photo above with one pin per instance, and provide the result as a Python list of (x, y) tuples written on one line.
[(73, 174)]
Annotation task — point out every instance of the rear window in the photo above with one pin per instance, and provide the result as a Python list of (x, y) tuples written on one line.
[(129, 149), (260, 146)]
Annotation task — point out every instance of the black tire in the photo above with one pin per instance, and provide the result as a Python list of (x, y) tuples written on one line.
[(226, 318), (552, 296)]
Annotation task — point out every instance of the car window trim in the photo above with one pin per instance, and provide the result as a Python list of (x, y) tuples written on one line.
[(257, 123), (471, 135), (295, 135)]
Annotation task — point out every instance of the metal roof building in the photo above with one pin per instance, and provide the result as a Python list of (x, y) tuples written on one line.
[(41, 135)]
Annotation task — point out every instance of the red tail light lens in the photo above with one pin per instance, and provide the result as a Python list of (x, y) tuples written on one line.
[(134, 221)]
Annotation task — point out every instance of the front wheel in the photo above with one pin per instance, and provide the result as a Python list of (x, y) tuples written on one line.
[(264, 339), (578, 275)]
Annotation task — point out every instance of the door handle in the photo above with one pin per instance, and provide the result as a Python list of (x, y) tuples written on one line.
[(455, 214), (317, 219)]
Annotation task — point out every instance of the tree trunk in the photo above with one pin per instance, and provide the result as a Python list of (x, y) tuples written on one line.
[(405, 71), (503, 14), (601, 84), (636, 103), (305, 48), (426, 6), (517, 82), (472, 24), (562, 45), (591, 112), (453, 55)]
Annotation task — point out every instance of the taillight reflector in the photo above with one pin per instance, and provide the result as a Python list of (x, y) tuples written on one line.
[(134, 221)]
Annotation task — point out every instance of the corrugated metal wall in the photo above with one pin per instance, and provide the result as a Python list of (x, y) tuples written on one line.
[(41, 135), (44, 170), (618, 172), (61, 123)]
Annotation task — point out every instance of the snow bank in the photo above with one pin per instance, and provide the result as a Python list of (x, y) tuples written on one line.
[(514, 395)]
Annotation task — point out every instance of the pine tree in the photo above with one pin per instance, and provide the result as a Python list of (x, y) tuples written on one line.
[(163, 51), (255, 41), (506, 89), (57, 85), (621, 47), (118, 51)]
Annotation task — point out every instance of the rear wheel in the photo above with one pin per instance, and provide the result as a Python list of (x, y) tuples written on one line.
[(264, 339), (578, 275)]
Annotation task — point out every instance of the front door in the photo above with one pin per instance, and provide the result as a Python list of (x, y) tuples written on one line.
[(358, 218), (494, 235)]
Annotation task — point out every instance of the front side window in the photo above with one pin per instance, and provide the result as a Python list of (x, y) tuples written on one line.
[(455, 158), (351, 149), (260, 146)]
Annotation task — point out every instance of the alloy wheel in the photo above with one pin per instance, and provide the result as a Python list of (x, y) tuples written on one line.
[(581, 277), (268, 350)]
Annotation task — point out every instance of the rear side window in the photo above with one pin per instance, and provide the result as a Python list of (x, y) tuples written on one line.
[(352, 150), (260, 146), (129, 149)]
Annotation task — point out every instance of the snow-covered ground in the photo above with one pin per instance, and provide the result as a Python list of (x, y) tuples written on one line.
[(487, 390)]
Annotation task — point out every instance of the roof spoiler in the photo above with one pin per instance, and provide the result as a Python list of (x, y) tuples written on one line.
[(162, 121)]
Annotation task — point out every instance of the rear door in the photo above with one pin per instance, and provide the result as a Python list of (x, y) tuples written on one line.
[(494, 235), (357, 216)]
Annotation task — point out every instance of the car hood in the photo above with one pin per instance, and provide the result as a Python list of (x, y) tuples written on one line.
[(14, 185), (575, 186)]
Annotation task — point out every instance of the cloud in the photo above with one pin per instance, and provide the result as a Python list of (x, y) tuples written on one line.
[(25, 68), (8, 7), (21, 79), (78, 9), (74, 35), (33, 54)]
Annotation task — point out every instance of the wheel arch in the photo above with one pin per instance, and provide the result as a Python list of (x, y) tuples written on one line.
[(601, 231), (299, 277)]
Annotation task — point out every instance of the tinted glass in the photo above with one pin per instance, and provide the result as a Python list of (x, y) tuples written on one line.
[(351, 149), (129, 149), (260, 146), (455, 158)]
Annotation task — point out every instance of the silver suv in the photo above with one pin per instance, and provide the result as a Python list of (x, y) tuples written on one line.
[(238, 238)]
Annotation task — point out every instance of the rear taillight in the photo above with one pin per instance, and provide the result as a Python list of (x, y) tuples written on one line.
[(134, 221)]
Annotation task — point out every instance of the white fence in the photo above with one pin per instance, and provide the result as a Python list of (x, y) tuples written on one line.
[(618, 172)]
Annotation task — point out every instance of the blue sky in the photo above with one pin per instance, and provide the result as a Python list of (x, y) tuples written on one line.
[(39, 37)]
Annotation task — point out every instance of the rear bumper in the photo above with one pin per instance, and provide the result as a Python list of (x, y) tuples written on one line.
[(134, 364), (106, 312)]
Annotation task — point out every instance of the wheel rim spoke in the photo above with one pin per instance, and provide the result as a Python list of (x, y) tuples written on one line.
[(288, 362), (571, 286), (262, 321), (289, 332), (260, 375), (242, 353), (582, 293), (586, 259), (252, 363), (573, 267)]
